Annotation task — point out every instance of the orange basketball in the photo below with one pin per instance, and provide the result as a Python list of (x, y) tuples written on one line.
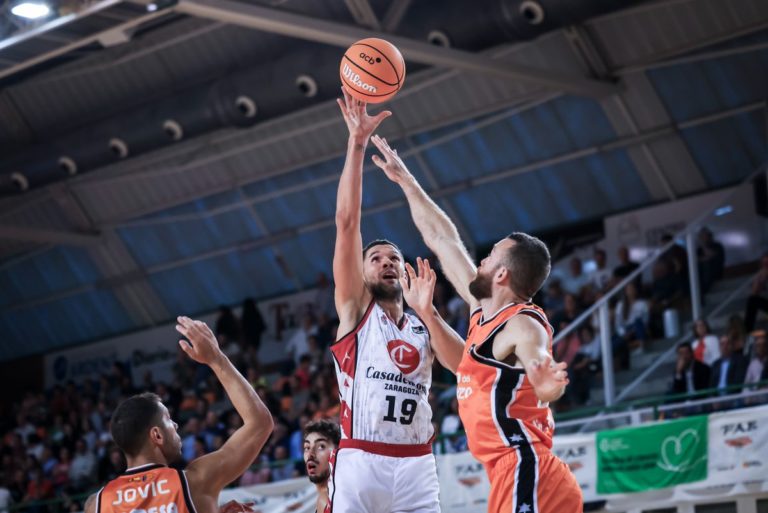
[(372, 70)]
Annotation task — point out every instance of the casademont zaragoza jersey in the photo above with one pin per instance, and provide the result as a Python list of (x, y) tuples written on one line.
[(384, 369)]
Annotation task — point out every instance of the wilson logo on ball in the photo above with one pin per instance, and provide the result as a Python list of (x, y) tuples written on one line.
[(356, 80)]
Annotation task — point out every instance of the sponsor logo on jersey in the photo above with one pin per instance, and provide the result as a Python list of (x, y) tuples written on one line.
[(418, 330), (396, 381), (403, 355), (463, 386)]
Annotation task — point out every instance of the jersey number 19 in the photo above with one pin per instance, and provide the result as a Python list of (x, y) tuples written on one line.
[(407, 409)]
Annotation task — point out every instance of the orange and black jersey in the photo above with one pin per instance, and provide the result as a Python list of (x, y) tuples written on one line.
[(497, 404), (149, 488)]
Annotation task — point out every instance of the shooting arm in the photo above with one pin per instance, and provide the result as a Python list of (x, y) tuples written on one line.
[(348, 253)]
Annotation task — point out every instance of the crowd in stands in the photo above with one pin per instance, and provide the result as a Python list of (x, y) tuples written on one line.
[(637, 316), (731, 361), (723, 363), (734, 360), (58, 444)]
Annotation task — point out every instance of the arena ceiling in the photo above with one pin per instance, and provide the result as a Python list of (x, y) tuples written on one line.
[(643, 105)]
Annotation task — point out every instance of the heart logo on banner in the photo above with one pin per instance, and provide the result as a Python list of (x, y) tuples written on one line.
[(676, 451)]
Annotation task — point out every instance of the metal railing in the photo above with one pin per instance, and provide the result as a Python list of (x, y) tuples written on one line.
[(602, 304), (673, 347), (662, 406)]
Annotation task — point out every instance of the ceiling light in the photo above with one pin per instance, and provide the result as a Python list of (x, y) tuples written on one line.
[(727, 209), (31, 10)]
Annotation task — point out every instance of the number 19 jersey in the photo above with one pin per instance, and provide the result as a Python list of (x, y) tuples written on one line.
[(384, 370)]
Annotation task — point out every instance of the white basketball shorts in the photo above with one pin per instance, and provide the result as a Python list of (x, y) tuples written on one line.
[(364, 482)]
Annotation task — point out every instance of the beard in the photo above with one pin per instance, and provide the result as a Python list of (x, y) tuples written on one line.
[(320, 478), (384, 292), (172, 451), (480, 287)]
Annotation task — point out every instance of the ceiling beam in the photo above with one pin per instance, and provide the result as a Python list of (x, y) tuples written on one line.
[(630, 141), (363, 13), (619, 115), (79, 43), (436, 194), (338, 34), (111, 258), (291, 233), (395, 14), (43, 236)]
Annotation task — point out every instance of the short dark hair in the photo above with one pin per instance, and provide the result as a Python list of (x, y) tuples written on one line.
[(325, 427), (380, 242), (686, 345), (132, 419), (529, 264)]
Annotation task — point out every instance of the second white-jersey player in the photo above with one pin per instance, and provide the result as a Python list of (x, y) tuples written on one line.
[(384, 463)]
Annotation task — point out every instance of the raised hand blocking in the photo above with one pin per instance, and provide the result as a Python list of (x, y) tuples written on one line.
[(419, 287), (392, 165)]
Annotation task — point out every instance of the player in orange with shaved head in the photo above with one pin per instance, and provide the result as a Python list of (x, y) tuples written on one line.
[(505, 374)]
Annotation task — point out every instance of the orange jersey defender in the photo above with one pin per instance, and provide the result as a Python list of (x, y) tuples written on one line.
[(508, 429), (497, 404), (146, 489)]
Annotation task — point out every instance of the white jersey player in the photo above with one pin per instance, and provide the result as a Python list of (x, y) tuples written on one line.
[(384, 372), (383, 361)]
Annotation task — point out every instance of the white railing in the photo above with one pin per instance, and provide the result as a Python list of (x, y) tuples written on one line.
[(602, 304)]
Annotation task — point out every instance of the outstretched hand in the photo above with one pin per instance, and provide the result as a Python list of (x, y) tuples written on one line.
[(419, 288), (392, 165), (203, 346), (355, 113), (547, 377)]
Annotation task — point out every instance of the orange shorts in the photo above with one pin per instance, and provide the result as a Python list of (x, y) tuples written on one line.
[(536, 482)]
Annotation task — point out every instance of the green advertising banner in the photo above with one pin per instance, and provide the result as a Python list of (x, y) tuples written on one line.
[(651, 457)]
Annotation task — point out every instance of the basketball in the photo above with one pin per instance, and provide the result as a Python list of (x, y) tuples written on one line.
[(372, 70)]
